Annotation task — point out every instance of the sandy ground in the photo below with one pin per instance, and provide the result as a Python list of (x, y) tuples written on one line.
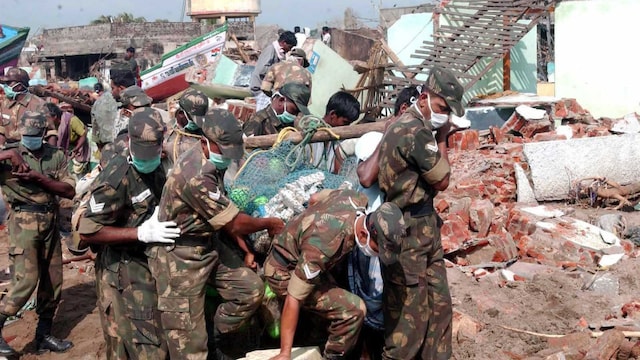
[(553, 302)]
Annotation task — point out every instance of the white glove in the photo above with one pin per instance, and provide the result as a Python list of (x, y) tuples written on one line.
[(154, 231)]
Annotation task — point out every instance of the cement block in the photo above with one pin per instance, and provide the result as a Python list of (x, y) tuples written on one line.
[(554, 164), (303, 353)]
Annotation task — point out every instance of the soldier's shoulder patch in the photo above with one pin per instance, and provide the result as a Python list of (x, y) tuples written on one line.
[(95, 206), (433, 147), (308, 273), (215, 196)]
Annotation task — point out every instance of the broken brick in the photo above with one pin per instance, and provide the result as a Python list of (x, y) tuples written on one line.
[(503, 246), (481, 216), (514, 123), (606, 345), (441, 205), (534, 127), (464, 140), (461, 208), (548, 136), (454, 233)]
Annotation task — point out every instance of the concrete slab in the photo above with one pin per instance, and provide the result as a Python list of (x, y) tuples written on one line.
[(554, 164), (303, 353)]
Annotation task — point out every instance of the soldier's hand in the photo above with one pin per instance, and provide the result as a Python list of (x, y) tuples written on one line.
[(28, 175), (18, 164), (275, 226), (249, 261), (155, 231)]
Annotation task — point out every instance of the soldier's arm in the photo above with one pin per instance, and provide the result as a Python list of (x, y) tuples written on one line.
[(59, 188), (369, 169), (427, 156), (288, 325), (252, 126), (97, 223), (267, 82)]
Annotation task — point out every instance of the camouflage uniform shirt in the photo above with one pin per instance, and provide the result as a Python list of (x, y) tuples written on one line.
[(53, 164), (284, 72), (122, 198), (12, 111), (314, 241), (410, 161), (264, 122), (194, 197)]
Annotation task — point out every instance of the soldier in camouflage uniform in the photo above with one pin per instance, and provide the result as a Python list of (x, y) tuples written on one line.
[(32, 175), (194, 197), (17, 101), (298, 264), (122, 217), (185, 133), (286, 104), (413, 168), (293, 70)]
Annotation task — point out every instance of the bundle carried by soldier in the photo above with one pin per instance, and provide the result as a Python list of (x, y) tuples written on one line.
[(278, 183)]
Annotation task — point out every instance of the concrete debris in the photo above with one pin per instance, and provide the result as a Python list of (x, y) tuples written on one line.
[(627, 125), (301, 353), (530, 113), (525, 193)]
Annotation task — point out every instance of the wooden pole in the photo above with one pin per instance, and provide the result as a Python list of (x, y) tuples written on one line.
[(41, 91), (344, 132), (244, 56)]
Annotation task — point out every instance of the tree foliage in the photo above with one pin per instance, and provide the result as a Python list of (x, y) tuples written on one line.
[(120, 18)]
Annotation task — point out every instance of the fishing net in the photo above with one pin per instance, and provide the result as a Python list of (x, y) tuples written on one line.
[(279, 182)]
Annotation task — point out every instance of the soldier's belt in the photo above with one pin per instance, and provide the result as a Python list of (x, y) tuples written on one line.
[(191, 240), (44, 208), (421, 209)]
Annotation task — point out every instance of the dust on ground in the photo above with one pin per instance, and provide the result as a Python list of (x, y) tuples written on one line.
[(551, 303)]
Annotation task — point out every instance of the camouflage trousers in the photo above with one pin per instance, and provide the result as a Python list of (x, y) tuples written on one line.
[(127, 304), (241, 290), (416, 299), (36, 259), (180, 273), (344, 310)]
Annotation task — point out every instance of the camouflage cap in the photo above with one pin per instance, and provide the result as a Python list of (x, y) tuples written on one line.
[(387, 227), (299, 94), (299, 53), (134, 95), (444, 84), (15, 74), (194, 102), (146, 132), (221, 127), (32, 123)]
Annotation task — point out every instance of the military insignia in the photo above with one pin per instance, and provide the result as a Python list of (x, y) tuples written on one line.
[(95, 206), (433, 147), (141, 197), (215, 196), (308, 273)]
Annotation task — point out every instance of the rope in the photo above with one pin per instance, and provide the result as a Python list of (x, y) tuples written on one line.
[(175, 142), (310, 124)]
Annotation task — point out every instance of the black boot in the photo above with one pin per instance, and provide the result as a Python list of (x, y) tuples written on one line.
[(46, 342), (5, 349)]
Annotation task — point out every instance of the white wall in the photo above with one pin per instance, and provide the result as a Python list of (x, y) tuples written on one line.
[(596, 55)]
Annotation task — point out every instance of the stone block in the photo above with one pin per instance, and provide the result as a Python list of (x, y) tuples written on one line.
[(554, 164), (464, 327)]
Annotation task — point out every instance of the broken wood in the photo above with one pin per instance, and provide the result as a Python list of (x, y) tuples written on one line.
[(344, 132), (244, 56), (604, 189), (593, 334), (42, 92), (88, 256)]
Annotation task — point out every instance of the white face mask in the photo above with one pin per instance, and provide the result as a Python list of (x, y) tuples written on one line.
[(366, 248), (437, 120)]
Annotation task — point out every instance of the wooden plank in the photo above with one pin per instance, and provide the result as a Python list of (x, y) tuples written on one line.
[(344, 132), (42, 92)]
